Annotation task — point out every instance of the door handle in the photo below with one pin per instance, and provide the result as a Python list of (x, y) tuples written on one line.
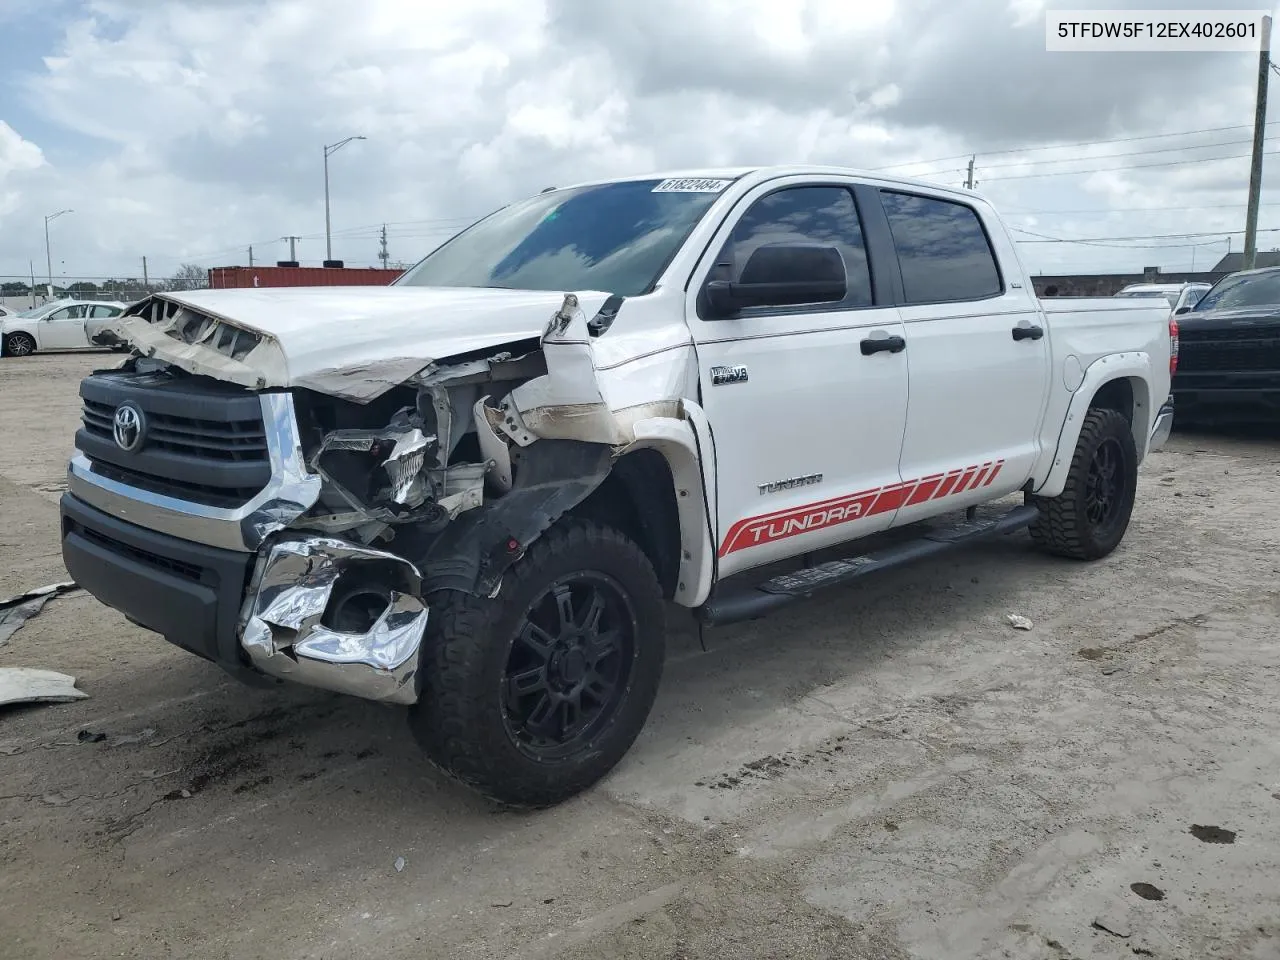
[(1028, 333), (893, 344)]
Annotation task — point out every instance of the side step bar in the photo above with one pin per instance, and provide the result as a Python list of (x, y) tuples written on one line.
[(756, 601)]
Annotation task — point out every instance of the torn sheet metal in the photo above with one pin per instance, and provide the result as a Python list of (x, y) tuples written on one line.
[(352, 342), (27, 685), (15, 611)]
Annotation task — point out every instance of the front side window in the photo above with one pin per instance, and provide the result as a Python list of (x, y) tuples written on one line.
[(816, 215), (942, 250), (614, 237)]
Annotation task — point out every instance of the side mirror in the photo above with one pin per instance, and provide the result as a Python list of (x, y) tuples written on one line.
[(1181, 310), (782, 274)]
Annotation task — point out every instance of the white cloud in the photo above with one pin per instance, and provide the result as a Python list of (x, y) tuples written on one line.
[(195, 126)]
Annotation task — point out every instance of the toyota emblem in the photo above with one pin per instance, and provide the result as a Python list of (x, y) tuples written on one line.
[(128, 427)]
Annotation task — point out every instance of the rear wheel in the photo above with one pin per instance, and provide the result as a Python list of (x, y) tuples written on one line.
[(1089, 518), (19, 345), (533, 696)]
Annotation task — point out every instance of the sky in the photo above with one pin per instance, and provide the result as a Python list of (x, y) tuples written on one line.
[(187, 131)]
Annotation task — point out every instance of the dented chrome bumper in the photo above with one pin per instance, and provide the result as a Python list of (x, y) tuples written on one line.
[(289, 628)]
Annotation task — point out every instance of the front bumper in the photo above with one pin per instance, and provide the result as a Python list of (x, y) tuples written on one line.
[(297, 593), (267, 613), (1163, 427)]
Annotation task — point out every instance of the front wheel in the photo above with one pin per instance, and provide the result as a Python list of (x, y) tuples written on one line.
[(533, 696), (19, 345), (1089, 518)]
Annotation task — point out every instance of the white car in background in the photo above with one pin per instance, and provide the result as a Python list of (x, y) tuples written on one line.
[(1178, 294), (58, 325)]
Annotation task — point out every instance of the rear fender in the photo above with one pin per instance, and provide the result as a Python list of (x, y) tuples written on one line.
[(1135, 367)]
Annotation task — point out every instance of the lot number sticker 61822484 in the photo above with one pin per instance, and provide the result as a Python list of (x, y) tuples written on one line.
[(691, 185)]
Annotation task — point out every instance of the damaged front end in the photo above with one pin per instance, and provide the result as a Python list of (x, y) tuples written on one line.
[(435, 485)]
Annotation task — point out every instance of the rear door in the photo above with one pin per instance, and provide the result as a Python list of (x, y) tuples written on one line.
[(807, 419), (977, 354)]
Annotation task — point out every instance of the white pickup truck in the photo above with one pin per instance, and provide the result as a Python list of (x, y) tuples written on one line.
[(472, 492)]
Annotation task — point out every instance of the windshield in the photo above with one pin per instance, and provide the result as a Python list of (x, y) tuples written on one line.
[(1242, 290), (614, 237), (36, 311)]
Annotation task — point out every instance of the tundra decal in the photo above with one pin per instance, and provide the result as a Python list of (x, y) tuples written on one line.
[(827, 513)]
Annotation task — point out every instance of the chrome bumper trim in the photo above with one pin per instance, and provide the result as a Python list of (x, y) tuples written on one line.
[(1163, 427), (284, 637), (291, 491)]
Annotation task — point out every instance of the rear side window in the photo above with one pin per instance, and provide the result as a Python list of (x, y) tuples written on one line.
[(942, 250), (825, 215)]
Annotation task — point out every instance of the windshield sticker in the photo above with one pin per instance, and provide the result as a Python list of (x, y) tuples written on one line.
[(691, 185)]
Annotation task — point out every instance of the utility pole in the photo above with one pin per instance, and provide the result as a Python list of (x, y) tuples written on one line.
[(969, 180), (251, 256), (293, 254), (382, 252), (31, 264), (1259, 131), (146, 281)]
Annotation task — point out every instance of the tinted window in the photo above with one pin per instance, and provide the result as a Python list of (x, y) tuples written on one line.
[(942, 249), (613, 237), (825, 215), (105, 311), (1243, 290)]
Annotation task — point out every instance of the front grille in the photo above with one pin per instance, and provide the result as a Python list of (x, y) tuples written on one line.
[(188, 571), (236, 440), (209, 496), (203, 441), (1229, 348)]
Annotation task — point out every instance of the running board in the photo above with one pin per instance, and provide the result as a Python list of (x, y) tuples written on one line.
[(756, 601)]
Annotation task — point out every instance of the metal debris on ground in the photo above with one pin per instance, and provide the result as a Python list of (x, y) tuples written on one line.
[(15, 611), (26, 685), (91, 736), (1017, 621), (399, 864)]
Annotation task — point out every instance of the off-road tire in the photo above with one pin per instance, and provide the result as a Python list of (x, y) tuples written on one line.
[(1063, 527), (19, 345), (459, 718)]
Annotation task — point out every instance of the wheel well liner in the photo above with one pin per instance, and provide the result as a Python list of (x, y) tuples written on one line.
[(638, 498)]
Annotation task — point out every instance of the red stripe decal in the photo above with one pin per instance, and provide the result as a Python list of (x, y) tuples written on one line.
[(947, 484), (781, 524), (925, 489), (891, 498)]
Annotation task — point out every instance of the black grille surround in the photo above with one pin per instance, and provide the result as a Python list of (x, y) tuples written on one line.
[(203, 440), (1227, 348)]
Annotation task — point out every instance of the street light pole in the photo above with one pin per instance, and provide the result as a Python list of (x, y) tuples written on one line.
[(330, 149), (48, 256)]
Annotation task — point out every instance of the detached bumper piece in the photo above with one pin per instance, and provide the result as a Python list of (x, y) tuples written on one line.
[(333, 615), (1163, 427)]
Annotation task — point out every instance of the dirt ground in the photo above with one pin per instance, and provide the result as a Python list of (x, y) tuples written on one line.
[(888, 772)]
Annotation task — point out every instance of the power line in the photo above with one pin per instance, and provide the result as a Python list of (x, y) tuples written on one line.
[(1131, 166), (1110, 241), (1062, 146)]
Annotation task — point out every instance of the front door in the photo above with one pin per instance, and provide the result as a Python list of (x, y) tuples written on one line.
[(807, 404), (977, 356), (64, 328)]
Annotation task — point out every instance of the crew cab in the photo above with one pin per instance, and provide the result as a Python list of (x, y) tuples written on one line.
[(474, 491), (1230, 368), (58, 325)]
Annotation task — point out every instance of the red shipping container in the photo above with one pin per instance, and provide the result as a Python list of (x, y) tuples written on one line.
[(221, 278)]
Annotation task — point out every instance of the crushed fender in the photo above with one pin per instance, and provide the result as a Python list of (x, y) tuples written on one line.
[(15, 611)]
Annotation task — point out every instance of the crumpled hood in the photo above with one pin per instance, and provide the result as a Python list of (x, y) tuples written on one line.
[(355, 342)]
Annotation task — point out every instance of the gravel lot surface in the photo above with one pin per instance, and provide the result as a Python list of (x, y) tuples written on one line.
[(889, 771)]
